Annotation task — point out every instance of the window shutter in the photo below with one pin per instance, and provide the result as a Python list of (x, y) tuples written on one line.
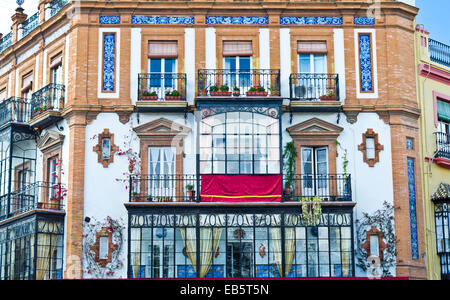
[(443, 110), (162, 49), (56, 61), (312, 47), (27, 82), (237, 48)]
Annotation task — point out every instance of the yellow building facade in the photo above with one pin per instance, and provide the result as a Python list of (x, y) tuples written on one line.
[(433, 90)]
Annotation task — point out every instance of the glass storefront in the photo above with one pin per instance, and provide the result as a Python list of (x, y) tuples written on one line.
[(442, 212), (239, 245)]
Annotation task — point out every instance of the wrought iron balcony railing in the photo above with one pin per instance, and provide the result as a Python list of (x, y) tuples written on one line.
[(14, 110), (238, 83), (314, 87), (184, 188), (442, 144), (49, 98), (5, 42), (39, 195), (56, 6), (30, 24), (439, 52), (162, 87)]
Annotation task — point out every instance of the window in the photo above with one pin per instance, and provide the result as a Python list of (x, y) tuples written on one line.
[(52, 177), (3, 94), (162, 64), (237, 63), (314, 170), (27, 85), (312, 57), (56, 69), (161, 169), (240, 143)]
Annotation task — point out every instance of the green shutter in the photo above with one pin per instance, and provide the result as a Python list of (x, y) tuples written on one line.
[(443, 110)]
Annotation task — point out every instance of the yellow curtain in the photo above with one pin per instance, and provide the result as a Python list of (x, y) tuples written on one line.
[(45, 250), (276, 242), (12, 260), (188, 236), (137, 253), (209, 241), (289, 247), (344, 254)]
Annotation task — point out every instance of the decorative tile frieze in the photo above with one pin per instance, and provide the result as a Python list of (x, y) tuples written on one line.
[(109, 61), (109, 20), (412, 209), (364, 21), (311, 20), (365, 62), (178, 20), (228, 20)]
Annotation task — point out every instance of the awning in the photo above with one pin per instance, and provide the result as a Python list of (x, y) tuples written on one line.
[(241, 188), (442, 193)]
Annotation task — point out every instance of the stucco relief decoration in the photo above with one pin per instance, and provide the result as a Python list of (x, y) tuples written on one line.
[(97, 266), (311, 20), (383, 222), (370, 134), (105, 148), (227, 20), (365, 62), (155, 20), (109, 60)]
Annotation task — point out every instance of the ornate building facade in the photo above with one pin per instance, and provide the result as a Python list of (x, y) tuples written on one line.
[(189, 139), (433, 86)]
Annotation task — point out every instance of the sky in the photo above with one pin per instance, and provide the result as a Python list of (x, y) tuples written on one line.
[(434, 14)]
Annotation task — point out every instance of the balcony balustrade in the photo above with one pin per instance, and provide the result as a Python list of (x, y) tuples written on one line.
[(439, 52), (30, 24), (49, 98), (442, 145), (162, 87), (184, 188), (314, 87), (14, 110), (238, 83), (39, 195)]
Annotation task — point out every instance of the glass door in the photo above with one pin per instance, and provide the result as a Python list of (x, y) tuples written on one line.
[(162, 78), (162, 176), (237, 72), (314, 64), (315, 171), (161, 259)]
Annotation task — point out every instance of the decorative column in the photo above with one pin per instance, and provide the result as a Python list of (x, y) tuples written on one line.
[(18, 18)]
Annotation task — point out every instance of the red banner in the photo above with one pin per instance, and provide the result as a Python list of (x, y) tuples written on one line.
[(241, 188)]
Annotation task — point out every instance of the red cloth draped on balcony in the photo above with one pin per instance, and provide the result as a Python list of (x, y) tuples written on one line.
[(241, 188)]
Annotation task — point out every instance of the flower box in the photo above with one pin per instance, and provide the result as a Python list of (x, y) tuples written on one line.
[(150, 98), (219, 93), (252, 94), (203, 93), (173, 98), (327, 98), (275, 93)]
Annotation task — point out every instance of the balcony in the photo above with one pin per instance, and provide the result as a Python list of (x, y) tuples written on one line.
[(235, 84), (46, 105), (162, 92), (439, 53), (313, 92), (40, 195), (30, 24), (182, 188), (15, 110), (443, 145)]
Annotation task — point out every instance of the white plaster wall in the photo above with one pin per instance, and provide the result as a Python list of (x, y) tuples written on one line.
[(210, 48), (189, 63), (285, 61), (135, 62), (264, 48), (339, 61)]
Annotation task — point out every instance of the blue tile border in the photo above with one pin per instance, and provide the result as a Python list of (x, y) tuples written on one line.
[(412, 209), (363, 21), (109, 20), (109, 61), (365, 62), (227, 20), (311, 20), (164, 20)]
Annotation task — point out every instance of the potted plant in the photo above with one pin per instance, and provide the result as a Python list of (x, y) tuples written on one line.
[(236, 91), (146, 95), (173, 96), (135, 197), (190, 191), (224, 90), (149, 198), (274, 91), (330, 97), (214, 90), (289, 156), (257, 91)]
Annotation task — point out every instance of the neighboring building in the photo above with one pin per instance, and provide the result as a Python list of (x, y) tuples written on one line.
[(433, 89), (112, 121)]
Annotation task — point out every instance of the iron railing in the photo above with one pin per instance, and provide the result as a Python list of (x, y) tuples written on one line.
[(57, 5), (176, 188), (49, 98), (29, 24), (442, 144), (439, 52), (314, 87), (162, 87), (5, 42), (39, 195), (238, 83), (14, 110)]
